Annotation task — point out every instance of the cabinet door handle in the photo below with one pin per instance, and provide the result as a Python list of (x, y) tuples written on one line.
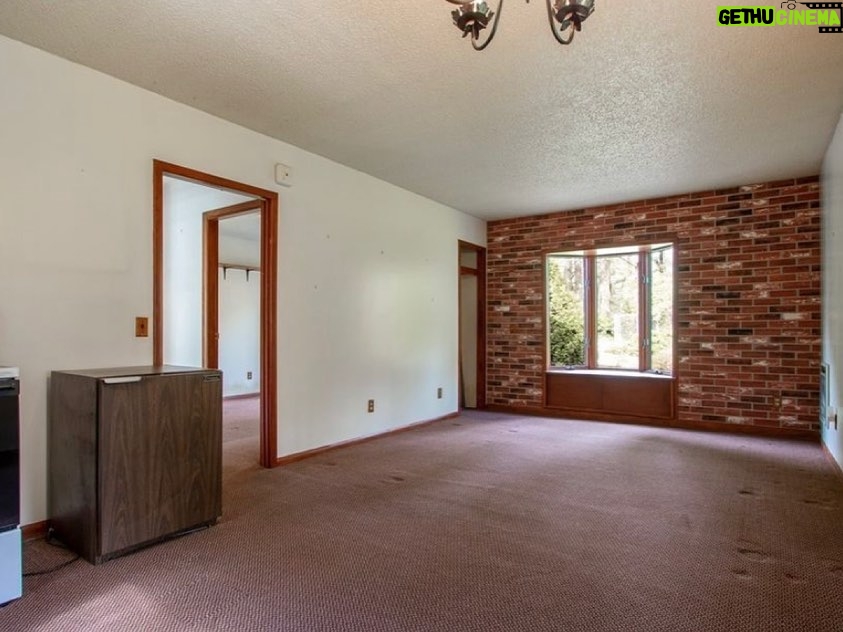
[(122, 380)]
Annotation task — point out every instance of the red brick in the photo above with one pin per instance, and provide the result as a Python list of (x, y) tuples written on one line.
[(760, 243)]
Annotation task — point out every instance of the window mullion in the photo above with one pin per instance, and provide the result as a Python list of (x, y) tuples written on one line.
[(644, 320), (590, 312)]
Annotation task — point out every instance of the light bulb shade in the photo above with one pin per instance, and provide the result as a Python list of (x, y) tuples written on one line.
[(570, 13), (472, 17)]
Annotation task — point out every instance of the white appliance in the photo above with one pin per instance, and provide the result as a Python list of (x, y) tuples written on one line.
[(11, 570)]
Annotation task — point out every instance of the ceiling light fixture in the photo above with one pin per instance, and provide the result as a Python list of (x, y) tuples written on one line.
[(565, 16)]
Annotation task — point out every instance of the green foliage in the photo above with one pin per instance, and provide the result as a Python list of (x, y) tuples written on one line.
[(567, 339), (662, 310), (617, 289)]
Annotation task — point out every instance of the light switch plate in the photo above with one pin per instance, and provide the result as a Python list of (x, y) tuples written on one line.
[(141, 327)]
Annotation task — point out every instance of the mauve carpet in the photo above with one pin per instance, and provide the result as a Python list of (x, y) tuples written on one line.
[(486, 522)]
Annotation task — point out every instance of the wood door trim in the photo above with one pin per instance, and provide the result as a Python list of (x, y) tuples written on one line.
[(269, 276), (192, 175), (235, 210), (269, 332), (210, 291), (480, 272), (210, 274)]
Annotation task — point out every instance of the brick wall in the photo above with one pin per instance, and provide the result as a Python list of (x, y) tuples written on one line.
[(748, 306)]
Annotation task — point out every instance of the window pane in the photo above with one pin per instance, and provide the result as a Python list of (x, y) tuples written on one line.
[(566, 311), (616, 285), (661, 301)]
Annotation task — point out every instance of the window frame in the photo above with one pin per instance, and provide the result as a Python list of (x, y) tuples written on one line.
[(645, 307)]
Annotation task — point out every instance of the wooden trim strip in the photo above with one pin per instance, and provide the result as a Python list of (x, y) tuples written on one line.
[(300, 456), (269, 332), (834, 464), (709, 426), (235, 210), (184, 173), (210, 290), (35, 531), (157, 262)]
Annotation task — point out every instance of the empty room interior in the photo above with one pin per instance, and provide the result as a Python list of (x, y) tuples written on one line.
[(436, 316)]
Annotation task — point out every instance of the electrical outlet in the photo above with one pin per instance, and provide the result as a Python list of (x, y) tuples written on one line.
[(248, 375), (777, 403), (371, 405), (141, 327), (439, 393), (832, 418)]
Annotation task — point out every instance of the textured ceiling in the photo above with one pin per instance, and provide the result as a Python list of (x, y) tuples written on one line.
[(652, 98), (246, 227)]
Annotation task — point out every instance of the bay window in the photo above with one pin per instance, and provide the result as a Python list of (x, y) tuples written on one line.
[(611, 308)]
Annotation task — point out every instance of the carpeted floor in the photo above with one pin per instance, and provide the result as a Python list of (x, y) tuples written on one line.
[(240, 419), (240, 438), (487, 522)]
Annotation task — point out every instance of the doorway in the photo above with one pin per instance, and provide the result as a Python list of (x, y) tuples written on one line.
[(231, 331), (168, 347), (472, 325), (229, 249)]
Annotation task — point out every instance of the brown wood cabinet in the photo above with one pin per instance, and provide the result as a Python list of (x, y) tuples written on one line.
[(611, 394), (135, 456)]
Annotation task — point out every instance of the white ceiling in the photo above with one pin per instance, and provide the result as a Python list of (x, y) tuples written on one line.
[(246, 227), (652, 98)]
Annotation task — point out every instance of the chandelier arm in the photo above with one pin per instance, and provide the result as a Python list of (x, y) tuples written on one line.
[(491, 33), (556, 33)]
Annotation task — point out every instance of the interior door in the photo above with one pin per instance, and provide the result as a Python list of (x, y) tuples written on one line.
[(468, 339), (472, 325)]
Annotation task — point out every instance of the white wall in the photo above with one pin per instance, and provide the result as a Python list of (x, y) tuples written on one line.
[(367, 289), (184, 204), (240, 301), (832, 298), (239, 250)]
